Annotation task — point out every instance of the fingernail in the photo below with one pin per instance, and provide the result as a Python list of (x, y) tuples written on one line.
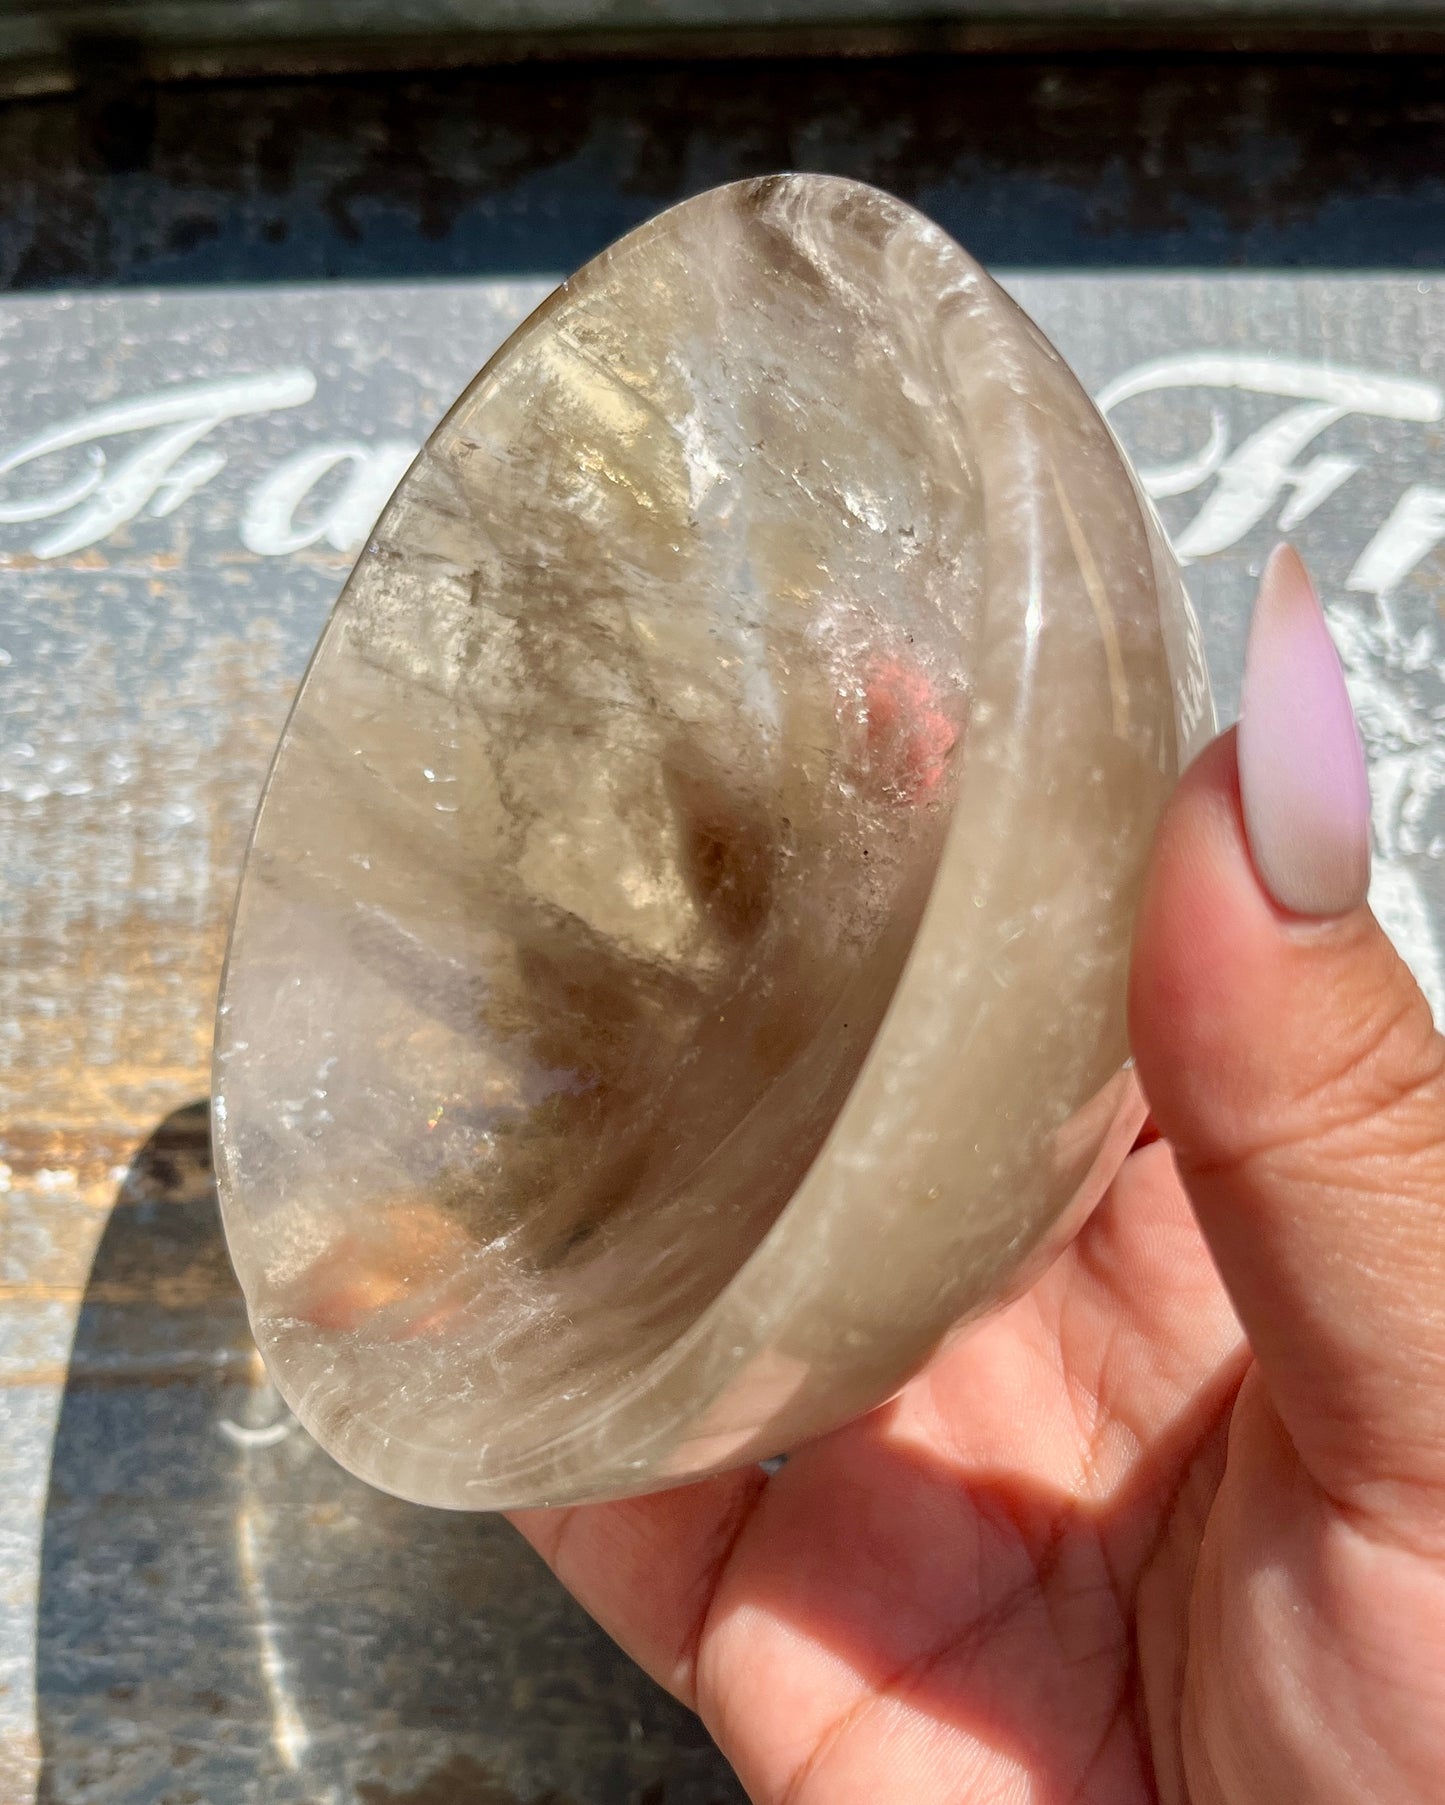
[(1301, 765)]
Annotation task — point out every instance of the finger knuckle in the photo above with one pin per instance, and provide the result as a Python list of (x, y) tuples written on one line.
[(1382, 1082), (1373, 1085)]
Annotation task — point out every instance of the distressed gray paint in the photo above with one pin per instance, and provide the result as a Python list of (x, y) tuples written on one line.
[(212, 1608)]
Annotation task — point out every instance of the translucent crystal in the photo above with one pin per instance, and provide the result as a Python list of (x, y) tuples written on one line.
[(679, 972)]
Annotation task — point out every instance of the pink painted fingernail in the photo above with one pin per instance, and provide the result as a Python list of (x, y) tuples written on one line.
[(1301, 765)]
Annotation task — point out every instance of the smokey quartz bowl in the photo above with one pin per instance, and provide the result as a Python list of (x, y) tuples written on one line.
[(678, 975)]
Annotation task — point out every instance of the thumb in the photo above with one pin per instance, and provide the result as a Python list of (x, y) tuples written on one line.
[(1291, 1061)]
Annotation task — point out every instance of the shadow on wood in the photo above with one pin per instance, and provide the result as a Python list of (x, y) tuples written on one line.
[(226, 1616)]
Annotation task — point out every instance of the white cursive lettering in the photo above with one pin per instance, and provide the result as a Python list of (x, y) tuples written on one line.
[(1253, 476), (333, 491), (100, 499), (1415, 527), (268, 522)]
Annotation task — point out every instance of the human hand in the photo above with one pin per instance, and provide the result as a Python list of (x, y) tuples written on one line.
[(1106, 1549)]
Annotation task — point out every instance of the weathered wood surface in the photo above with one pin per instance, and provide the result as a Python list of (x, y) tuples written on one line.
[(1164, 161), (46, 39), (144, 670), (196, 1603)]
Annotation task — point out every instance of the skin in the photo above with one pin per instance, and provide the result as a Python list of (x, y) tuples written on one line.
[(1172, 1527)]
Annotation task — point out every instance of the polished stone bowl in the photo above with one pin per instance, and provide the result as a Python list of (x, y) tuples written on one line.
[(678, 976)]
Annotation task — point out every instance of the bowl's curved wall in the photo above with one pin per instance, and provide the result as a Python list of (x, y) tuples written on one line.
[(679, 968)]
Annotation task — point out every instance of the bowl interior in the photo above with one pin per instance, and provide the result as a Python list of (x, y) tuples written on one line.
[(600, 832)]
